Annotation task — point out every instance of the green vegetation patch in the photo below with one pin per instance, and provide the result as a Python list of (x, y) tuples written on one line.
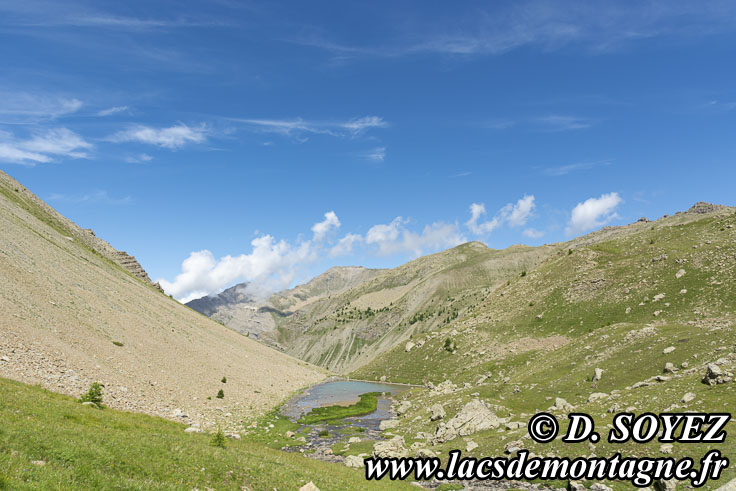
[(50, 441), (367, 404)]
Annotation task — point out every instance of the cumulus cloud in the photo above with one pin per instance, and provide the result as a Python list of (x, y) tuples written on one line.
[(395, 238), (593, 213), (478, 210), (172, 137), (515, 214), (321, 229), (345, 245), (43, 147), (271, 265)]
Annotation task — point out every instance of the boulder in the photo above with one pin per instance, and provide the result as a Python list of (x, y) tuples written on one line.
[(665, 485), (597, 374), (577, 485), (472, 418), (403, 407), (425, 453), (354, 461), (599, 487), (471, 446), (354, 439), (561, 405), (680, 274), (289, 434), (668, 350), (596, 396), (392, 448), (688, 397), (309, 487), (436, 412), (714, 375), (409, 346)]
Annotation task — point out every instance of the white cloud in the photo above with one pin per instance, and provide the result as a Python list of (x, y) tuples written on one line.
[(172, 137), (515, 214), (566, 169), (14, 155), (113, 110), (563, 123), (24, 107), (42, 147), (298, 127), (360, 125), (320, 229), (518, 214), (138, 159), (593, 213), (377, 154), (99, 196), (533, 233), (395, 238), (271, 265), (477, 210), (345, 245)]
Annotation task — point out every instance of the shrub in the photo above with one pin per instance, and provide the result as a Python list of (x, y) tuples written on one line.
[(224, 380), (94, 394), (117, 343), (450, 345), (569, 252), (523, 273), (218, 439), (220, 394), (323, 433)]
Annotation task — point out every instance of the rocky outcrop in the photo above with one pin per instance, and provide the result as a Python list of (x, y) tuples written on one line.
[(472, 418)]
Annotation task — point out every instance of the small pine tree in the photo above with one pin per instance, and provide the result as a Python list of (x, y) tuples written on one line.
[(224, 380), (523, 273), (94, 394), (220, 394), (218, 439)]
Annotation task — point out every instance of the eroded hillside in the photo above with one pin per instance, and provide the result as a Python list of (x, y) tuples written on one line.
[(72, 314)]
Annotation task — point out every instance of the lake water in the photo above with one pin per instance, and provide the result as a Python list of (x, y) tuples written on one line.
[(343, 392)]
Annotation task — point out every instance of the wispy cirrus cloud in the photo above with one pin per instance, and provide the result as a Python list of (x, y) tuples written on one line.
[(43, 146), (95, 197), (377, 154), (113, 110), (298, 127), (568, 168), (173, 137), (548, 25), (557, 122), (20, 107)]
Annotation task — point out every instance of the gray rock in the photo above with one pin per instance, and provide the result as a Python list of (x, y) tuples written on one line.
[(388, 424), (354, 461), (436, 412), (394, 447), (598, 373), (309, 487), (472, 418)]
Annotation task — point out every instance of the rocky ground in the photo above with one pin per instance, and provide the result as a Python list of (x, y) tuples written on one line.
[(72, 316)]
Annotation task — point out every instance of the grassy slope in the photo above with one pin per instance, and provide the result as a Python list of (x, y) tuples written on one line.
[(87, 448), (582, 298)]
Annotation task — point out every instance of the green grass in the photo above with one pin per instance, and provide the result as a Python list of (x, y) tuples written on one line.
[(85, 448), (367, 404)]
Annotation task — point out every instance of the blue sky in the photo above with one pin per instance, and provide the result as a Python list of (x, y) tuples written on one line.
[(226, 141)]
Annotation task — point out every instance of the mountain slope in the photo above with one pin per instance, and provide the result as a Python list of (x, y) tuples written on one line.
[(630, 318), (348, 316), (72, 315)]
